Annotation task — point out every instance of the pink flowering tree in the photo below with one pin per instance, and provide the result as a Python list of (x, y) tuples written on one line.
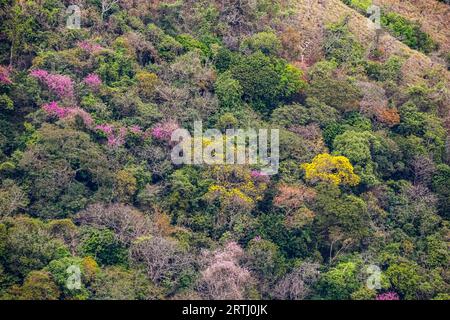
[(60, 85), (115, 136), (388, 296), (89, 47), (136, 130), (259, 176), (223, 278), (163, 130), (5, 75), (93, 81), (54, 110)]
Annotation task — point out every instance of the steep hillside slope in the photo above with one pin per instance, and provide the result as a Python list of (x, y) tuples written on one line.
[(98, 200), (434, 17)]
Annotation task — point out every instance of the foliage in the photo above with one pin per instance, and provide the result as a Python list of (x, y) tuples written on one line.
[(409, 32), (265, 80), (333, 169), (102, 245), (86, 177), (340, 281)]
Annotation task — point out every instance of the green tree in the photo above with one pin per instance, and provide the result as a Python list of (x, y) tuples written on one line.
[(29, 246), (102, 245), (331, 88), (38, 285), (340, 282), (229, 92)]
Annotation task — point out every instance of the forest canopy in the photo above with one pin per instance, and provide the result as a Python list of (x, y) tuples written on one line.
[(92, 207)]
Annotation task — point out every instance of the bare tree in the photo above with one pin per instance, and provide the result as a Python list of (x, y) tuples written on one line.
[(223, 278), (127, 222), (423, 168), (297, 284), (107, 5), (162, 258), (12, 198)]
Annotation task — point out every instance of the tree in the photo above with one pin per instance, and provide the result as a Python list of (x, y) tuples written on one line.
[(357, 146), (292, 200), (340, 282), (63, 168), (147, 83), (267, 42), (117, 283), (29, 246), (234, 191), (414, 208), (290, 115), (228, 91), (266, 263), (336, 170), (163, 259), (265, 81), (299, 283), (127, 222), (102, 245), (222, 277), (38, 285), (374, 104), (341, 220), (69, 272), (409, 32), (107, 5), (441, 185), (405, 278), (340, 45), (330, 85), (12, 198)]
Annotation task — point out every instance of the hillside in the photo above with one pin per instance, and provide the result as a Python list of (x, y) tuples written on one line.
[(100, 199)]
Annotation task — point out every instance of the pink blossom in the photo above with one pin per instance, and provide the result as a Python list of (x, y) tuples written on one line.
[(93, 81), (59, 84), (388, 296), (116, 140), (89, 47), (223, 277), (115, 137), (259, 176), (53, 109), (163, 131), (85, 116), (39, 74), (105, 128), (136, 130), (4, 75)]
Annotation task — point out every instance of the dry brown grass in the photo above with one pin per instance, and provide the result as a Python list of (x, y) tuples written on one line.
[(434, 17), (316, 14)]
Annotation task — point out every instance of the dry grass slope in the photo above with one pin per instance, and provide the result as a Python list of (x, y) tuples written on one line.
[(315, 14)]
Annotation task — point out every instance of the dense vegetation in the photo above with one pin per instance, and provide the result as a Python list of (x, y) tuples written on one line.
[(407, 31), (86, 178)]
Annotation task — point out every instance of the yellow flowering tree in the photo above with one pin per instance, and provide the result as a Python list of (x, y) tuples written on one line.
[(235, 190), (333, 169)]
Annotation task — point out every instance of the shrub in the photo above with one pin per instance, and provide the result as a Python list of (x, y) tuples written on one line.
[(266, 42), (340, 45), (408, 32)]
